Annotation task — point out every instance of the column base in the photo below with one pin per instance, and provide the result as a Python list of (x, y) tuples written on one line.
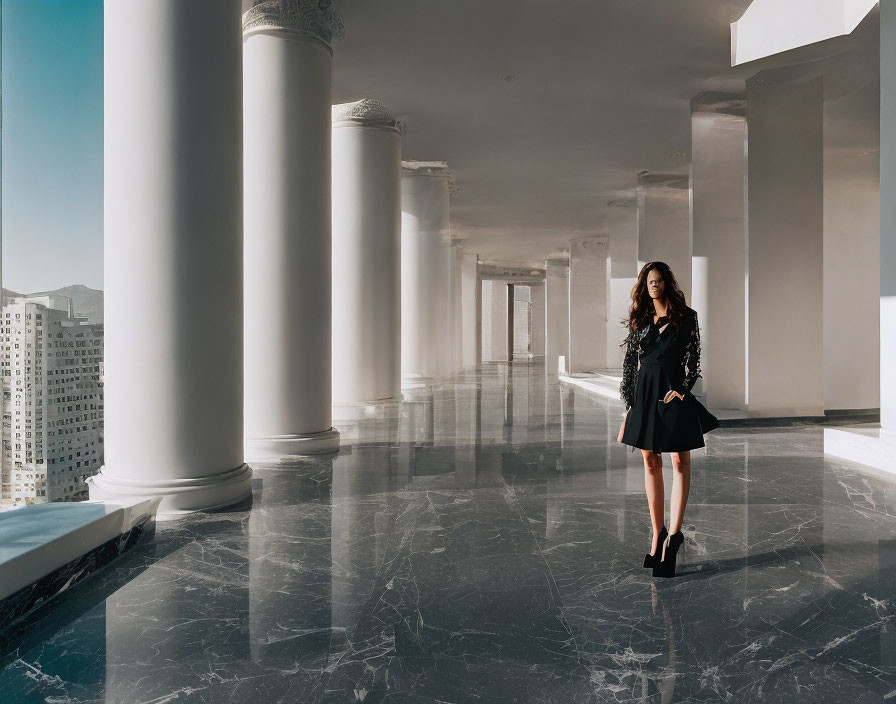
[(273, 447), (870, 446), (179, 496)]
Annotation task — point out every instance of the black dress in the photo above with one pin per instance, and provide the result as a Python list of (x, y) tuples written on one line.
[(668, 360)]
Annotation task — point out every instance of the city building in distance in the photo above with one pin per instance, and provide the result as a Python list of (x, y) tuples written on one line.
[(52, 401)]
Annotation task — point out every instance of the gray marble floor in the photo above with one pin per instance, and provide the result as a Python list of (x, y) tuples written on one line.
[(484, 545)]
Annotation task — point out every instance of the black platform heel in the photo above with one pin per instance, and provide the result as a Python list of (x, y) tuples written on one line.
[(665, 566), (650, 559)]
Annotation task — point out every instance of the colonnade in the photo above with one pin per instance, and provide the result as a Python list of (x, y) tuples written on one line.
[(756, 245), (268, 255), (282, 257)]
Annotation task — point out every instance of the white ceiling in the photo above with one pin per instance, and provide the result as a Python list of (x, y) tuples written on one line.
[(601, 90)]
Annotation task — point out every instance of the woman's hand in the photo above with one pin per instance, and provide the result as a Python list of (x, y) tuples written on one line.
[(670, 394), (622, 428)]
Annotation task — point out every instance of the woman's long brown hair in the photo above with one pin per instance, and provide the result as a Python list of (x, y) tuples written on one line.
[(642, 304)]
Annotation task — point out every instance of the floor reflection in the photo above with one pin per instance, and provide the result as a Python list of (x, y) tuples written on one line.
[(481, 542)]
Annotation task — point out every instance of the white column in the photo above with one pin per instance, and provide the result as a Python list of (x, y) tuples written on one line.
[(366, 254), (457, 284), (588, 304), (556, 291), (852, 248), (718, 226), (173, 255), (664, 225), (511, 320), (425, 270), (287, 125), (538, 319), (622, 221), (485, 311), (888, 225), (877, 449), (479, 337), (494, 320), (785, 343), (469, 281)]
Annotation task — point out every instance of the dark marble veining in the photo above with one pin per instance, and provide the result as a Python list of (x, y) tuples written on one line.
[(484, 545), (20, 603)]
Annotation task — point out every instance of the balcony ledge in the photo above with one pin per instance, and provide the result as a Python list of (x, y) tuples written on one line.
[(47, 548)]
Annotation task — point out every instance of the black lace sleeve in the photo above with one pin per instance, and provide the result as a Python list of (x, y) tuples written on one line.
[(691, 359), (629, 370)]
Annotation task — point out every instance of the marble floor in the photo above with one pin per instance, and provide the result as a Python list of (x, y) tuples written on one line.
[(484, 544)]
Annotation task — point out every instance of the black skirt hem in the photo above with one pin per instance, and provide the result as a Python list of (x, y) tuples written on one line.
[(696, 447)]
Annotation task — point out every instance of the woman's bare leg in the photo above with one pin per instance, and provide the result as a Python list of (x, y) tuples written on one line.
[(681, 486), (653, 484)]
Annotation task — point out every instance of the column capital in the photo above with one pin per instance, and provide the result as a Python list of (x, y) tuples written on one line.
[(314, 17), (366, 112), (429, 168)]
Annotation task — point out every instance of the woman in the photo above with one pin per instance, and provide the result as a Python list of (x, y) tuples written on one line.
[(661, 413)]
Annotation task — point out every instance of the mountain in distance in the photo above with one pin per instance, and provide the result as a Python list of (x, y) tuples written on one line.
[(86, 301), (6, 294)]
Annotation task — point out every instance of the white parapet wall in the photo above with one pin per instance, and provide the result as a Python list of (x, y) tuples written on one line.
[(38, 540), (870, 446)]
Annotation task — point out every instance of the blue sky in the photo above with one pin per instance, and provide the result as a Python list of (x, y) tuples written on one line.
[(52, 158)]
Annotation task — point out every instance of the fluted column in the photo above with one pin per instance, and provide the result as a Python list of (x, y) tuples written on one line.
[(173, 255), (425, 271), (366, 254), (286, 78)]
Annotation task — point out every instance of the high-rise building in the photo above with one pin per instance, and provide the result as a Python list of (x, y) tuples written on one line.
[(52, 401)]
